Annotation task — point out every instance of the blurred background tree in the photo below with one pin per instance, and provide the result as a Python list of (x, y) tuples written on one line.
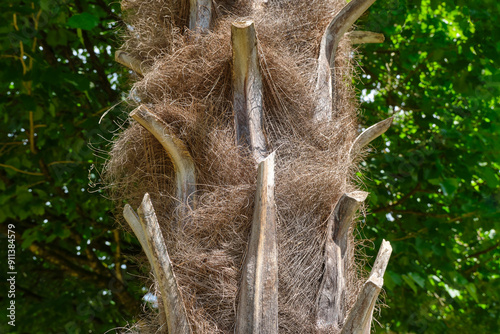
[(434, 178), (58, 77)]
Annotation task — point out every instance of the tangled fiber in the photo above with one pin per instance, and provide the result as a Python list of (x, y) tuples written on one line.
[(187, 83)]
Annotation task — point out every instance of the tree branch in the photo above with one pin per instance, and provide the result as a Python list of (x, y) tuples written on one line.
[(73, 266), (487, 250), (401, 200), (435, 215), (477, 265), (96, 64), (21, 171)]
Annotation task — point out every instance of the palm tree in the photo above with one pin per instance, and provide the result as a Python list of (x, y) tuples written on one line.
[(241, 156)]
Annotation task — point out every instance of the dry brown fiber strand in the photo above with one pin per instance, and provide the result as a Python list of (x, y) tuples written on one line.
[(188, 84)]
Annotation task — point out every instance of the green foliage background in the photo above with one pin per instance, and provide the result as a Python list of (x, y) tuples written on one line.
[(434, 177)]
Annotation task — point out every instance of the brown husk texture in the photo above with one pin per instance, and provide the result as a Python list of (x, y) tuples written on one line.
[(188, 85)]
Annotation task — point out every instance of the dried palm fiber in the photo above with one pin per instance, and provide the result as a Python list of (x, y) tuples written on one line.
[(186, 82)]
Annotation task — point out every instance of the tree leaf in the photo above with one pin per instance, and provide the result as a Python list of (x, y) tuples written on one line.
[(489, 176), (449, 186), (418, 279), (471, 288), (38, 210), (410, 282), (85, 21), (30, 236)]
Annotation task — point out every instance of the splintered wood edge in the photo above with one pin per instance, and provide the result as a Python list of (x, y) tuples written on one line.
[(344, 210), (330, 309), (365, 37), (360, 317), (175, 311), (330, 298), (326, 59), (134, 222), (127, 60), (382, 259), (258, 299), (185, 173), (339, 26), (378, 270), (370, 134), (247, 89), (200, 15)]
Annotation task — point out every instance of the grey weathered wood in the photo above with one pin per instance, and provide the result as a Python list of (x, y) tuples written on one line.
[(360, 317), (382, 259), (127, 60), (133, 221), (185, 173), (331, 299), (370, 134), (175, 311), (357, 321), (258, 298), (326, 60), (378, 270), (365, 37), (247, 89), (200, 15)]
